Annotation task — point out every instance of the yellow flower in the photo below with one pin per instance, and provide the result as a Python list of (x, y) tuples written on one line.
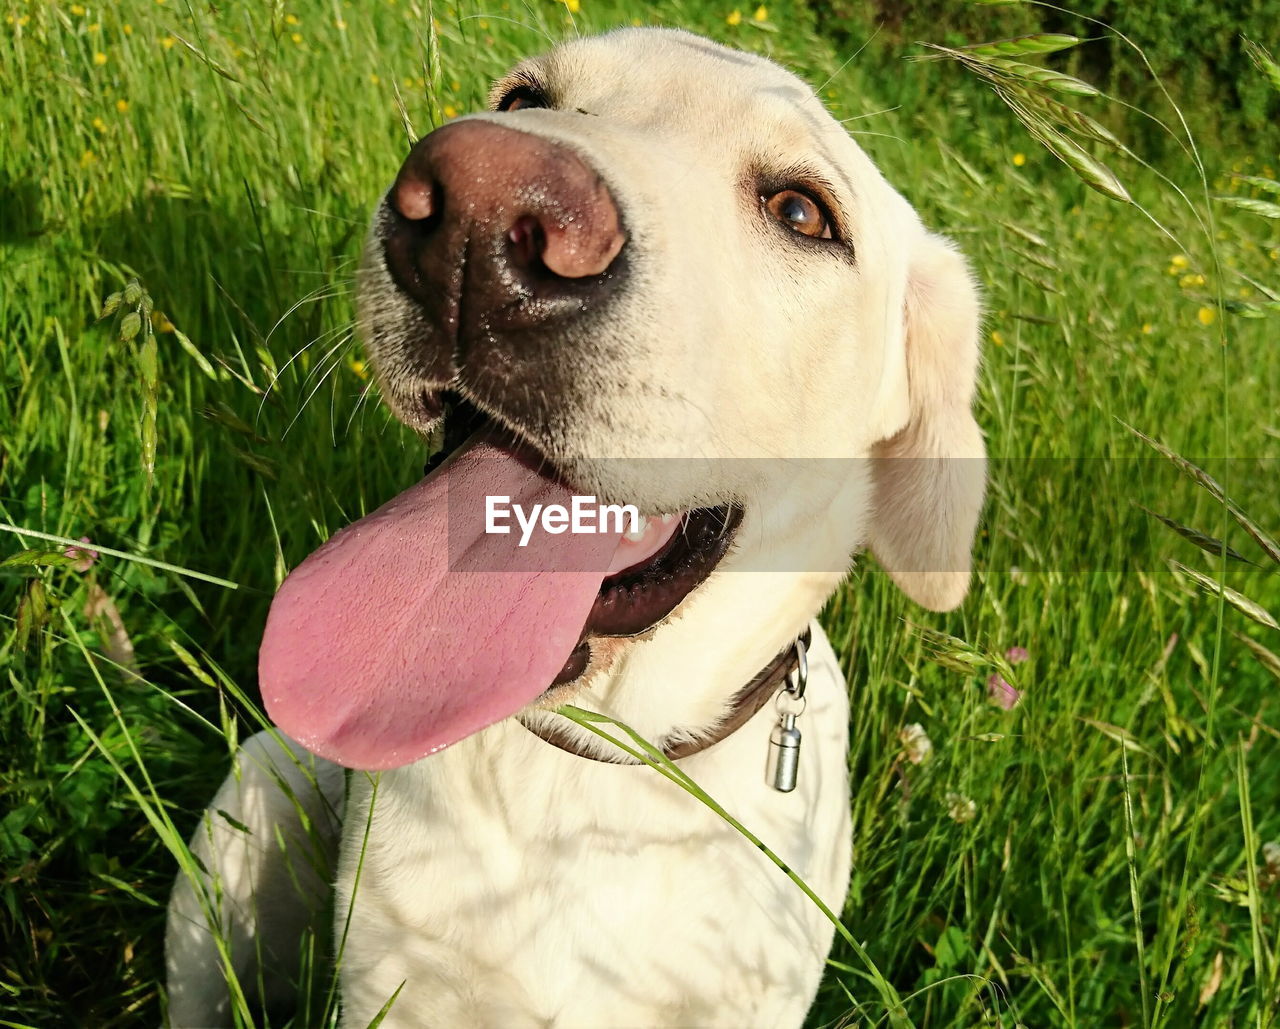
[(99, 58), (88, 158), (95, 27), (450, 111), (296, 37), (1178, 261), (1189, 281), (291, 19), (127, 29), (1019, 159), (1243, 291), (455, 85), (122, 105), (573, 5), (357, 366), (373, 77), (1274, 254), (99, 124), (637, 22), (340, 25), (167, 42), (997, 338), (762, 13), (735, 17), (1146, 328), (1206, 315), (77, 10)]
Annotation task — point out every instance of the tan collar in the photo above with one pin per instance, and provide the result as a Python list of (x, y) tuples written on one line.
[(746, 702)]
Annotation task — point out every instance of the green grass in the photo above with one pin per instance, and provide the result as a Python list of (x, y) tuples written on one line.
[(1114, 862)]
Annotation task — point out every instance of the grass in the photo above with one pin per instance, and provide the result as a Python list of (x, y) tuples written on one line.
[(1098, 855)]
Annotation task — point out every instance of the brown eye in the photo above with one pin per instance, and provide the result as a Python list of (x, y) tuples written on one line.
[(800, 213), (522, 97)]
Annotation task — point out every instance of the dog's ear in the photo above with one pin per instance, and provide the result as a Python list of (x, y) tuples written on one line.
[(930, 476)]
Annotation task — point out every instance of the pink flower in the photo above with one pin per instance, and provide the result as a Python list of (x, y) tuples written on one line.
[(1001, 693), (83, 556), (1016, 655)]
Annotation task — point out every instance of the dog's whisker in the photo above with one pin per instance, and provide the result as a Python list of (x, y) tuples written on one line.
[(513, 21), (327, 371), (871, 114), (849, 60)]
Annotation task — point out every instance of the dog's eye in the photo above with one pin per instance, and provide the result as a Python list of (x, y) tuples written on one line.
[(800, 213), (521, 97)]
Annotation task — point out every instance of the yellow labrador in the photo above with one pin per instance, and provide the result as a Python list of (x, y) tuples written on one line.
[(656, 274)]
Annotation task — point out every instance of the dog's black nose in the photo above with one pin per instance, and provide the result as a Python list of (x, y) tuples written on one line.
[(500, 227)]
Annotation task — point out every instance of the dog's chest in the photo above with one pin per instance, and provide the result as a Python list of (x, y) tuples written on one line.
[(526, 891)]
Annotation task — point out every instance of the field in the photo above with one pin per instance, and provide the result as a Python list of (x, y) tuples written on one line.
[(1102, 848)]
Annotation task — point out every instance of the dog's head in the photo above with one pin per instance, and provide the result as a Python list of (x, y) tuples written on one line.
[(660, 273)]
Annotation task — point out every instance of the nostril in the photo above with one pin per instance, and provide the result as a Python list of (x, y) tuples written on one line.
[(527, 241), (414, 198)]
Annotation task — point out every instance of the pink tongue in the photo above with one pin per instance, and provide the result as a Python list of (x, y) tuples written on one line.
[(399, 636)]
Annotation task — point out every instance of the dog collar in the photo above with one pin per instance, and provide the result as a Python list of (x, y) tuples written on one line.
[(746, 702)]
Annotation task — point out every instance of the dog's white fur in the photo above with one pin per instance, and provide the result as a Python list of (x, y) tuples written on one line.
[(504, 882)]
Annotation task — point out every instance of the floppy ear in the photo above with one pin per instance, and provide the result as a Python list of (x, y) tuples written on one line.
[(930, 476)]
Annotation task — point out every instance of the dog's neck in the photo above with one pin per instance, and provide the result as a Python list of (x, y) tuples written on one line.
[(746, 702)]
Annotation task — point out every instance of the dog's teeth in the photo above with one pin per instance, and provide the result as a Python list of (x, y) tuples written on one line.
[(638, 533)]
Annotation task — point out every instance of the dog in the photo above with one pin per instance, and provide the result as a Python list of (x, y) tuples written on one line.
[(657, 273)]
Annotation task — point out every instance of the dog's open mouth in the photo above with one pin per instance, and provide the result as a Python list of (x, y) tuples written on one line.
[(655, 566), (422, 622)]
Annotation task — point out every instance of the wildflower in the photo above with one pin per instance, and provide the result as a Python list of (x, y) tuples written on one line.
[(997, 338), (127, 29), (762, 13), (88, 158), (1146, 328), (735, 17), (574, 6), (296, 37), (291, 19), (122, 105), (915, 743), (961, 809), (99, 124), (1189, 281), (1016, 655), (167, 42), (1206, 315), (84, 557), (1002, 693), (373, 78), (99, 58), (1019, 159), (95, 27), (450, 111), (1178, 261), (358, 366), (77, 10)]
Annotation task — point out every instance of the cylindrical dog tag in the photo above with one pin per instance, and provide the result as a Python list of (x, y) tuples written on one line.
[(784, 755)]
